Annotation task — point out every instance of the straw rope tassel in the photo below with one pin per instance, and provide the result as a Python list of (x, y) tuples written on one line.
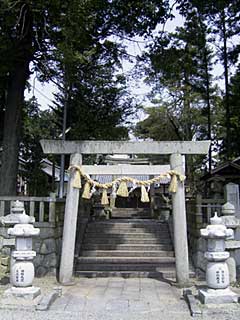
[(112, 201), (104, 200), (144, 194), (181, 177), (77, 180), (113, 196), (86, 192), (174, 184), (122, 189)]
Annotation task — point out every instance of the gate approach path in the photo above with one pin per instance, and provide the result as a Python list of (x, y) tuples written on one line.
[(115, 299)]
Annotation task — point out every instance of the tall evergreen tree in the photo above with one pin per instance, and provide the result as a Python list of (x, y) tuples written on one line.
[(234, 102), (35, 31), (224, 19), (180, 68)]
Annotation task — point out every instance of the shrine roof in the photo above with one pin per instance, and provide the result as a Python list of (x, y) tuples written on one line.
[(228, 169)]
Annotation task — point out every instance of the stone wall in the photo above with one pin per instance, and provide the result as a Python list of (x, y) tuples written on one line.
[(6, 244), (197, 245), (4, 268), (48, 248)]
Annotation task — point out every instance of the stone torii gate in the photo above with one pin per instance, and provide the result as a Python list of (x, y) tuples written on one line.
[(77, 148)]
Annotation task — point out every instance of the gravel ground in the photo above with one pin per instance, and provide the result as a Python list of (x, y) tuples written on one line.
[(112, 298)]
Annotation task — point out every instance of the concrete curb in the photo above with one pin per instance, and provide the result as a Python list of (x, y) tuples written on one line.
[(47, 300), (192, 303)]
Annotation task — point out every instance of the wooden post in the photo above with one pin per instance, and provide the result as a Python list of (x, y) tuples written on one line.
[(199, 212), (41, 211), (32, 208), (2, 208), (180, 225), (52, 207), (152, 197), (69, 228)]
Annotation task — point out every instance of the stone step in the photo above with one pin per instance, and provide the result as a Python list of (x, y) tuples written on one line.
[(120, 236), (136, 223), (116, 228), (125, 274), (126, 247), (131, 209), (129, 215), (134, 211), (123, 266), (115, 231), (124, 253), (126, 240), (133, 221), (126, 260), (168, 273)]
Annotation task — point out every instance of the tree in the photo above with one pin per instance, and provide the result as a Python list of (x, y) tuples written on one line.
[(15, 73), (205, 83), (35, 31), (224, 19), (160, 125), (37, 125), (234, 103), (97, 100), (180, 69)]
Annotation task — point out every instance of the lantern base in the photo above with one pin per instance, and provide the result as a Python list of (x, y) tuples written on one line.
[(28, 293), (218, 296)]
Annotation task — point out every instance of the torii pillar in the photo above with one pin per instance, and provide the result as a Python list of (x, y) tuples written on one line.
[(69, 227), (180, 225), (174, 148)]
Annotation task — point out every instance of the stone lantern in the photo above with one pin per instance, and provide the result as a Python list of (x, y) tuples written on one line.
[(228, 209), (22, 270), (17, 210), (217, 274), (232, 244)]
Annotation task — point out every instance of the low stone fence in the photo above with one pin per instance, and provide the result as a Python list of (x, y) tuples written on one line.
[(43, 209), (49, 214)]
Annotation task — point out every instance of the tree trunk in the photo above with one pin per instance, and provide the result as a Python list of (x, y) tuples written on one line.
[(207, 94), (22, 52), (12, 127), (207, 83), (186, 117), (226, 78)]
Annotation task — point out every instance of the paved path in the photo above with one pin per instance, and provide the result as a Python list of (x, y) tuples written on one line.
[(115, 299)]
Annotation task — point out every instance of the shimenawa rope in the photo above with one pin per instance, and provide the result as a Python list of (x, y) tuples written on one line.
[(122, 190)]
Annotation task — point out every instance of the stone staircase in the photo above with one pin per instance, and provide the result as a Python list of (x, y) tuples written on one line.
[(126, 247)]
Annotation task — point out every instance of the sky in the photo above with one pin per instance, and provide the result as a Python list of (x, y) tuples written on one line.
[(43, 92)]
